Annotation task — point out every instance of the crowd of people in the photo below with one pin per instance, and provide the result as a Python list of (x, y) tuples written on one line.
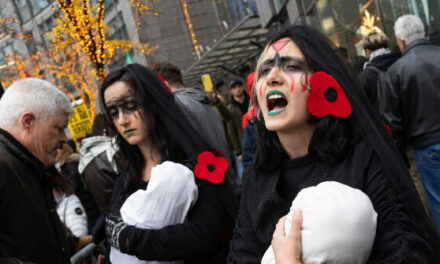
[(315, 163)]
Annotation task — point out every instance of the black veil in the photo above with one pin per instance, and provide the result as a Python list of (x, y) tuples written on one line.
[(169, 113), (367, 121)]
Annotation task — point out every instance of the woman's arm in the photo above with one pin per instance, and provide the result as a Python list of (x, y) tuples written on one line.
[(75, 217), (199, 236)]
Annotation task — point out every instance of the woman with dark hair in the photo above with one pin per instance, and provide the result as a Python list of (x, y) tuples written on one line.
[(157, 149), (314, 126)]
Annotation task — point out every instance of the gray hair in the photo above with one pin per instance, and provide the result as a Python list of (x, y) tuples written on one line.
[(409, 28), (35, 95)]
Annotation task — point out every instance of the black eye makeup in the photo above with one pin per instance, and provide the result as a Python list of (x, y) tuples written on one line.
[(286, 64), (127, 105)]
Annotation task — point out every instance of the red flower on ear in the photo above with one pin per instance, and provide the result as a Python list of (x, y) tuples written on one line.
[(327, 97), (210, 167)]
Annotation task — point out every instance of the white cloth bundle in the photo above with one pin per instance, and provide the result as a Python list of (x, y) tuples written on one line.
[(339, 225), (170, 193)]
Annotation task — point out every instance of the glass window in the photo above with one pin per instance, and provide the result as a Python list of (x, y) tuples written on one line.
[(6, 50), (346, 22), (23, 10), (117, 28), (38, 5), (46, 27), (108, 4), (428, 11)]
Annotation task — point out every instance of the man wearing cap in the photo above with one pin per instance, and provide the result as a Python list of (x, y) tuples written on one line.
[(239, 105)]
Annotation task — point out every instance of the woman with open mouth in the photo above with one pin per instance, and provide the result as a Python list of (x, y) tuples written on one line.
[(315, 126), (170, 203)]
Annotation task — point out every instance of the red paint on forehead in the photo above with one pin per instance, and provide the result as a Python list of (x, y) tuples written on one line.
[(292, 80), (279, 45)]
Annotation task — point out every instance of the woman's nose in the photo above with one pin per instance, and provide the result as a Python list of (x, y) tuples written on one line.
[(122, 118), (275, 77)]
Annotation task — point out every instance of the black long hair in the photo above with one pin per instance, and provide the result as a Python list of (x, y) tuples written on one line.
[(333, 138), (168, 131)]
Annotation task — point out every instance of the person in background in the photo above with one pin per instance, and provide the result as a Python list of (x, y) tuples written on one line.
[(33, 117), (222, 109), (196, 105), (410, 103), (248, 123), (238, 105), (198, 110), (69, 207), (380, 58), (67, 165), (97, 164)]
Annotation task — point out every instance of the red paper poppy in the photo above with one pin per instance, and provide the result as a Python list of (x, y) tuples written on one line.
[(210, 167), (327, 97)]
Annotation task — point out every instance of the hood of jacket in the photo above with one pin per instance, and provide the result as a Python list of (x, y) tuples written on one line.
[(195, 93), (383, 62), (93, 146)]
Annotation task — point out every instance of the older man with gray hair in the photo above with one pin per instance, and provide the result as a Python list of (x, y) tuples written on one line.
[(33, 116), (411, 100)]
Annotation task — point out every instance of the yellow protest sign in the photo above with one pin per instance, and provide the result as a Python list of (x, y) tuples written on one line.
[(80, 123), (207, 83)]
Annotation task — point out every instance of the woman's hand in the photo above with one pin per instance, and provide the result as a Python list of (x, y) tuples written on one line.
[(287, 248)]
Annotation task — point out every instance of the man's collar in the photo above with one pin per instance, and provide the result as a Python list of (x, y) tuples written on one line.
[(415, 43), (18, 149)]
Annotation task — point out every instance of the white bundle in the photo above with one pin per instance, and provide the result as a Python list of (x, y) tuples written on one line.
[(339, 225), (170, 193)]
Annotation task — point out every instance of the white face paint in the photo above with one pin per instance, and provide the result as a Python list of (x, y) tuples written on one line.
[(282, 92)]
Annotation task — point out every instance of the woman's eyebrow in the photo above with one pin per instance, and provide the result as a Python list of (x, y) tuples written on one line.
[(270, 62), (120, 99), (294, 59)]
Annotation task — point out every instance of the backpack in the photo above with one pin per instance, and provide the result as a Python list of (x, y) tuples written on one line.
[(380, 79)]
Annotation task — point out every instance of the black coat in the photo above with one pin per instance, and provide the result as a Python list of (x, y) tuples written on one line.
[(30, 228), (398, 235), (202, 239), (369, 78), (411, 96)]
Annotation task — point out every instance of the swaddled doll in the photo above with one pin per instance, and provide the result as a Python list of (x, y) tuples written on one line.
[(339, 225)]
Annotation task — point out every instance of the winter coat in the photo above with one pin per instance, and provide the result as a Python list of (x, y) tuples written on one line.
[(249, 144), (223, 111), (196, 106), (69, 169), (72, 214), (235, 128), (30, 229), (398, 236), (412, 96), (369, 77), (99, 170)]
